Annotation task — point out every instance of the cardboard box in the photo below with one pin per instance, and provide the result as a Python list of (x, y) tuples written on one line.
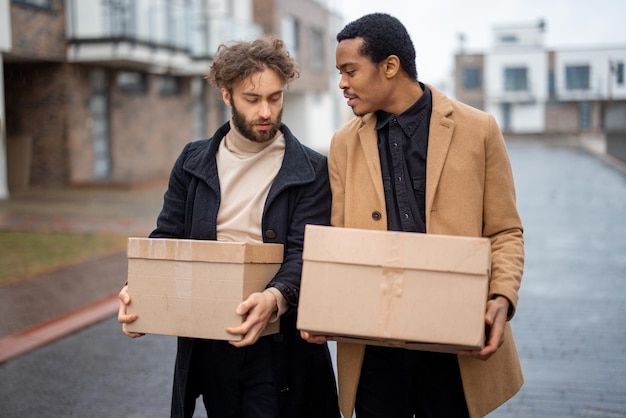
[(191, 288), (417, 291)]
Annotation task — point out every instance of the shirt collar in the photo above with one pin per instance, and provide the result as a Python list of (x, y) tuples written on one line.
[(410, 119)]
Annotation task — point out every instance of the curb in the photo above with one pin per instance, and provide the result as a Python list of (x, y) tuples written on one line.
[(32, 338)]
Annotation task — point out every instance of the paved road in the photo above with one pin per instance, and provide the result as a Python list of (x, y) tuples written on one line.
[(569, 325)]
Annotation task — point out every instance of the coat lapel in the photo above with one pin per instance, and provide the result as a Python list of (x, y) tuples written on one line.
[(439, 139), (368, 137)]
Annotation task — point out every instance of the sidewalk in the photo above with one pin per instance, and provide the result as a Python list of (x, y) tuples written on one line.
[(37, 310)]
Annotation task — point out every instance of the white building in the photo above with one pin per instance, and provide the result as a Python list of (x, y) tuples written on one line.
[(531, 89)]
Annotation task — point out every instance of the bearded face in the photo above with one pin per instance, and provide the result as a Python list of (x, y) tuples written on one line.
[(259, 129), (257, 105)]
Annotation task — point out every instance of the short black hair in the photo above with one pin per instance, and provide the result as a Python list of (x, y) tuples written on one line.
[(383, 35)]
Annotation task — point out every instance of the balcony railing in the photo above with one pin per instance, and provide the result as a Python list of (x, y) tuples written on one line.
[(149, 32)]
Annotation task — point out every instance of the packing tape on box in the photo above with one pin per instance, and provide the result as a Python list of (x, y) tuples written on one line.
[(392, 281), (391, 287)]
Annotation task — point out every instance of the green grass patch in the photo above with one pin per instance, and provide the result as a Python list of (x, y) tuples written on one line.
[(24, 254)]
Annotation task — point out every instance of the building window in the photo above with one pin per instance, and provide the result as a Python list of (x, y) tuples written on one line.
[(169, 85), (120, 17), (577, 77), (198, 107), (317, 50), (551, 86), (516, 79), (177, 23), (132, 82), (508, 39), (619, 73), (584, 115), (290, 29), (99, 112), (44, 4), (472, 78), (506, 117)]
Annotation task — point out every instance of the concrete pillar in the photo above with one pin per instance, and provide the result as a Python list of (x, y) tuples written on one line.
[(4, 185), (615, 128), (5, 45)]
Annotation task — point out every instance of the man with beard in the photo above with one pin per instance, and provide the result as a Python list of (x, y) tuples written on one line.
[(251, 182)]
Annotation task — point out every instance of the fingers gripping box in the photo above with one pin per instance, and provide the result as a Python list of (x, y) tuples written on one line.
[(417, 291), (191, 288)]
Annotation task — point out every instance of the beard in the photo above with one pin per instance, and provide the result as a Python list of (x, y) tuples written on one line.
[(247, 128)]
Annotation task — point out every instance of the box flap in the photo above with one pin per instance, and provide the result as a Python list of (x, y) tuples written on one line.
[(468, 255), (203, 250)]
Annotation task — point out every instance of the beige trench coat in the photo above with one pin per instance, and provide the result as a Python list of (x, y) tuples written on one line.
[(469, 192)]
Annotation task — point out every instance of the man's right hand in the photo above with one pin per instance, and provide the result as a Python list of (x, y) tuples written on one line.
[(314, 338), (123, 317)]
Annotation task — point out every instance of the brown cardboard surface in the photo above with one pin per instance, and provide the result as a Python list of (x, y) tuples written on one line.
[(191, 288), (417, 291)]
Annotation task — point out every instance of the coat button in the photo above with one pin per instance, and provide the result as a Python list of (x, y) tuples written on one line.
[(376, 215), (270, 234)]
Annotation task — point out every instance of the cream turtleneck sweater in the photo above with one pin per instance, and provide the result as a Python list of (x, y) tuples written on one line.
[(247, 169)]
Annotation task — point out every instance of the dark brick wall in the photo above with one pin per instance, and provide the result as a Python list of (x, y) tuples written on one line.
[(38, 33), (36, 100), (47, 108), (263, 15), (79, 138), (48, 104), (148, 131)]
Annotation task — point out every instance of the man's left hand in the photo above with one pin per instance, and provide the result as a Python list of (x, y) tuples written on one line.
[(495, 321)]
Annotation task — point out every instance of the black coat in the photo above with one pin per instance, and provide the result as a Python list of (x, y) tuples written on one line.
[(299, 195)]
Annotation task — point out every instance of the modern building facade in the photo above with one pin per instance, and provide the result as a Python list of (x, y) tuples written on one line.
[(107, 92), (531, 89)]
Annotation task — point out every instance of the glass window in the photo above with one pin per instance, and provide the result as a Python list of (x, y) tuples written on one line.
[(99, 111), (290, 30), (169, 85), (198, 107), (508, 39), (178, 27), (577, 77), (132, 82), (120, 17), (515, 79), (44, 4), (317, 50), (472, 78), (584, 115), (551, 85), (619, 73), (506, 116)]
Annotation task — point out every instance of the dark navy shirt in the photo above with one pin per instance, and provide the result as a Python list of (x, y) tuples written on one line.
[(402, 146)]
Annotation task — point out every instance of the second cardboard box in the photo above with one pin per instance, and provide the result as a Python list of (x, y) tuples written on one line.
[(417, 291)]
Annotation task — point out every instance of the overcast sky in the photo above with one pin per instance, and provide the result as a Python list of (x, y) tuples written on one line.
[(434, 25)]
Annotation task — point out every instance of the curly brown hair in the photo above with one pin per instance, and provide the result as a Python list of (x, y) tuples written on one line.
[(238, 61)]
